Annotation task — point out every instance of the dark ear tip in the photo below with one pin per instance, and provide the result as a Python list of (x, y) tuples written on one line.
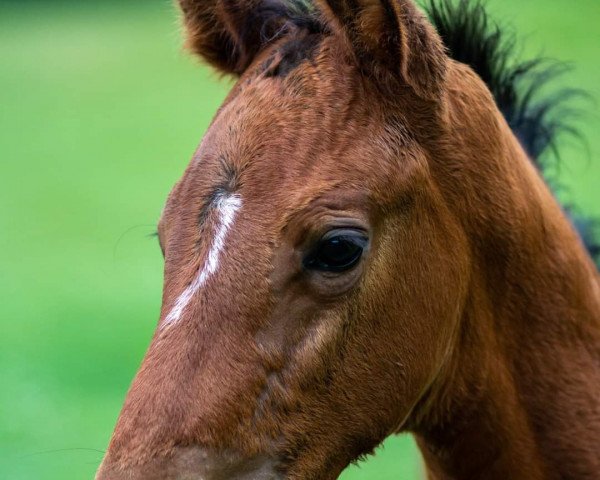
[(215, 29), (215, 47), (229, 34)]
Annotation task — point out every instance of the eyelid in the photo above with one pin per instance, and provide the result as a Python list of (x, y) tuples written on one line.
[(350, 232), (313, 237), (354, 235), (338, 226)]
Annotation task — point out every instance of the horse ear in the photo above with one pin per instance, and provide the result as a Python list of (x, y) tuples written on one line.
[(393, 36), (228, 34)]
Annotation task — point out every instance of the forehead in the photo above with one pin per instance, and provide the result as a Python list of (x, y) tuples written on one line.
[(312, 129)]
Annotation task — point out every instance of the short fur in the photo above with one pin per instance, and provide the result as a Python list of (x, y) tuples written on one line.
[(472, 320), (537, 114)]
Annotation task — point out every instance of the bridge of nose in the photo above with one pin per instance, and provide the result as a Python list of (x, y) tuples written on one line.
[(194, 463)]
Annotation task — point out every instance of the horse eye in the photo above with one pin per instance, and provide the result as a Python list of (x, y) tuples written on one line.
[(338, 251)]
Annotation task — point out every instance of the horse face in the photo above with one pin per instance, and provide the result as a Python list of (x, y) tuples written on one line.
[(313, 275)]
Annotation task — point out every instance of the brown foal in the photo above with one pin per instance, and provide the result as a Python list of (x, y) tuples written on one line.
[(360, 247)]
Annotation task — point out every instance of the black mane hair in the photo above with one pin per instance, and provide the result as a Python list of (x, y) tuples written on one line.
[(517, 86), (520, 88)]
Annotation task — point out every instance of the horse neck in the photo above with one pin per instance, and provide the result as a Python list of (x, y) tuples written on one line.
[(520, 395)]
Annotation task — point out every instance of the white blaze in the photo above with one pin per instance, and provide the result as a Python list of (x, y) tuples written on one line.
[(227, 206)]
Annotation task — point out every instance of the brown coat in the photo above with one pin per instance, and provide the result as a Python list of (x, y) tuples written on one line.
[(471, 317)]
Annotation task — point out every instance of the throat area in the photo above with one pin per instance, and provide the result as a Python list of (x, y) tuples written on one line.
[(520, 398)]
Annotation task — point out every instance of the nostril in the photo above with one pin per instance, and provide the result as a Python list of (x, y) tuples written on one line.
[(194, 463)]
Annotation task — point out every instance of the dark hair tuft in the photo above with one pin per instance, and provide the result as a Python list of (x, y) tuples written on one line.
[(537, 115)]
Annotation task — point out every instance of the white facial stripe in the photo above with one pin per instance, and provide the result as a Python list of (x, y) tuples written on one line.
[(227, 207)]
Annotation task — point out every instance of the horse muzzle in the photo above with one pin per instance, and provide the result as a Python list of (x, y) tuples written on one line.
[(192, 463)]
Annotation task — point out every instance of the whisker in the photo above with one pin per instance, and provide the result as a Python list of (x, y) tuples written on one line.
[(61, 450), (125, 233)]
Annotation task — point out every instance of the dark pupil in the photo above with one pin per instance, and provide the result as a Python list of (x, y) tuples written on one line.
[(336, 254)]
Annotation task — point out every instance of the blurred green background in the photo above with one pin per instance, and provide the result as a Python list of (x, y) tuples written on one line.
[(100, 110)]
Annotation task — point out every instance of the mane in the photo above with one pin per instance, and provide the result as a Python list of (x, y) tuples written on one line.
[(537, 113)]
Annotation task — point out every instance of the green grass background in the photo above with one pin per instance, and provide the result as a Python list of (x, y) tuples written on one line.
[(100, 111)]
